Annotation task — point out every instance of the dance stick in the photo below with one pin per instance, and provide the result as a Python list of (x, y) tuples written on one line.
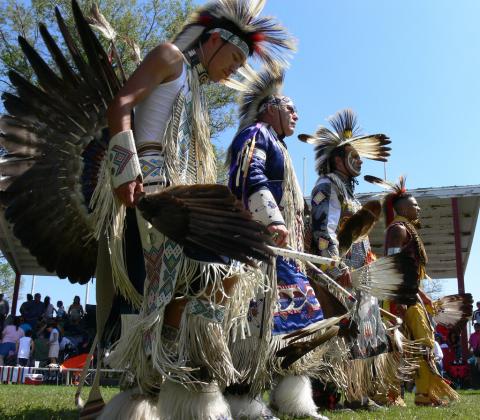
[(303, 256)]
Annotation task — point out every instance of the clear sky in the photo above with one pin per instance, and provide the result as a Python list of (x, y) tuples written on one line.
[(408, 68)]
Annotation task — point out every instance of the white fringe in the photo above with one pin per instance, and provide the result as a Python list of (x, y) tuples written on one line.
[(130, 405), (202, 342), (109, 219), (176, 402)]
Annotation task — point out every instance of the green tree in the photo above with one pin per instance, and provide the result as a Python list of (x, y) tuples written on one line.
[(7, 277), (140, 25)]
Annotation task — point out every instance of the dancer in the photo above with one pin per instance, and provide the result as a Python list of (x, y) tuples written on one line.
[(180, 347), (402, 219), (338, 163), (261, 175)]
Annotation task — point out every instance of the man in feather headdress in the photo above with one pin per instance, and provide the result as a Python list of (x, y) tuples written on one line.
[(402, 219), (58, 140), (338, 162), (262, 176), (179, 335)]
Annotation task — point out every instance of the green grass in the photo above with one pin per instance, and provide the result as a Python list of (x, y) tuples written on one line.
[(57, 402)]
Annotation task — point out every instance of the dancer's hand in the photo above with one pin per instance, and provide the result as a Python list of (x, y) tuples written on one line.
[(128, 192), (279, 234)]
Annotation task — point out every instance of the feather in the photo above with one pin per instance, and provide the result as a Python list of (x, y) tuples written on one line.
[(295, 350), (453, 311), (393, 277), (55, 139), (265, 84), (266, 39), (358, 225), (396, 188), (345, 132), (100, 23), (207, 217)]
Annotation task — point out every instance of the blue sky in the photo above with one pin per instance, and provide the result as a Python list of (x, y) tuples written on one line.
[(408, 68)]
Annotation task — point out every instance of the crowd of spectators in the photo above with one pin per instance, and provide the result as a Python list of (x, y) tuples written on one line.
[(43, 335)]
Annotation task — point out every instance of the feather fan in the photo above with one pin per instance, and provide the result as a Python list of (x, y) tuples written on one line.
[(208, 217), (454, 311), (358, 225), (393, 277)]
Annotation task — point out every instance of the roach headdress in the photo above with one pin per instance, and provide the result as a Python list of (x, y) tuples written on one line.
[(396, 192)]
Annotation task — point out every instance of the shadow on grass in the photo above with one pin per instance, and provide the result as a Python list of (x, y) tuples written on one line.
[(42, 413)]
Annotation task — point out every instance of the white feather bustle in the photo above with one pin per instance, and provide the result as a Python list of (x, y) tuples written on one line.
[(175, 402), (293, 396), (243, 407), (130, 405)]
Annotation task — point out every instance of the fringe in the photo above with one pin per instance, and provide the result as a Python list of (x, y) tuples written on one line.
[(202, 343), (144, 345), (109, 219), (293, 206), (204, 153), (251, 355)]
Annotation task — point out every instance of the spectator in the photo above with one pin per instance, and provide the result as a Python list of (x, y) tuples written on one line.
[(40, 353), (25, 326), (438, 353), (474, 341), (10, 336), (4, 308), (25, 348), (476, 314), (75, 311), (49, 308), (26, 307), (453, 341), (36, 312), (53, 342), (60, 310)]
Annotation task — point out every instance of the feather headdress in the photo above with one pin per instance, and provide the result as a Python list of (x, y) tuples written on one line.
[(256, 89), (345, 132), (397, 190), (262, 36)]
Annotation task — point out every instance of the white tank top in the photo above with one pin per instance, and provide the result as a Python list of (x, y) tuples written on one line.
[(24, 347), (152, 114)]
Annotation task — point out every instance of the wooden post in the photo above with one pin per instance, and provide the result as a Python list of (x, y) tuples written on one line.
[(16, 289), (459, 265)]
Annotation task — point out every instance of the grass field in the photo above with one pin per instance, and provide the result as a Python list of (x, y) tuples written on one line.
[(52, 402)]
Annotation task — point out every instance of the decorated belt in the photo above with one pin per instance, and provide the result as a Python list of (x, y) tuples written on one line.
[(149, 147)]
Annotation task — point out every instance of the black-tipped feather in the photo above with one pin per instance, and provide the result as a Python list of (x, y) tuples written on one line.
[(207, 217), (454, 311), (393, 277)]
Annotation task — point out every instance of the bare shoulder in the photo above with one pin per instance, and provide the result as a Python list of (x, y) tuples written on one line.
[(166, 55), (397, 234)]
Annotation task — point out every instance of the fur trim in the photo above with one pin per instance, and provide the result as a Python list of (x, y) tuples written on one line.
[(293, 396), (245, 407), (130, 405), (176, 402)]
